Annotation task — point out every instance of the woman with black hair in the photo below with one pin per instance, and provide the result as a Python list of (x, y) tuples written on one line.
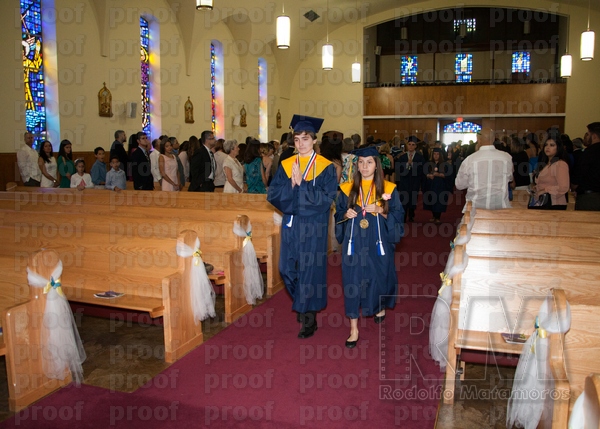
[(255, 173), (520, 161), (66, 167), (551, 177), (369, 223), (47, 165), (332, 151), (436, 195)]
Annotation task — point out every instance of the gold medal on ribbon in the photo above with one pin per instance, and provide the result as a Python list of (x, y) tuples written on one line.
[(364, 224)]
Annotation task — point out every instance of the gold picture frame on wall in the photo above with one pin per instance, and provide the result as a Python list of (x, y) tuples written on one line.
[(105, 102), (188, 108)]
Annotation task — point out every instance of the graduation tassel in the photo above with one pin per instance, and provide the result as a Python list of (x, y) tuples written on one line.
[(380, 249), (350, 243), (289, 224)]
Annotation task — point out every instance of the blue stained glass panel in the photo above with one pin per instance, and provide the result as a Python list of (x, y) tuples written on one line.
[(408, 69), (213, 60), (33, 69), (463, 67), (521, 62), (462, 128)]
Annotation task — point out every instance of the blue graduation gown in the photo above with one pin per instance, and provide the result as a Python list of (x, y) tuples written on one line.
[(370, 280), (435, 193), (303, 251)]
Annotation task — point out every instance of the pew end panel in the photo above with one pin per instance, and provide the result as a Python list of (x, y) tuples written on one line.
[(182, 334), (274, 280), (22, 330)]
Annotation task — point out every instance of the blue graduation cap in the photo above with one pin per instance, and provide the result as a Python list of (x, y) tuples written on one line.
[(366, 151), (302, 123)]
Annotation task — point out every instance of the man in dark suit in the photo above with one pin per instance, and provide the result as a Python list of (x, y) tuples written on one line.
[(409, 178), (140, 164), (203, 165), (118, 150)]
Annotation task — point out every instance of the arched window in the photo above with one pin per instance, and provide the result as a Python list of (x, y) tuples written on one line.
[(33, 69), (145, 74)]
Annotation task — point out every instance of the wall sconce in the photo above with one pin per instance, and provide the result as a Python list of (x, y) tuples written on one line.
[(204, 4)]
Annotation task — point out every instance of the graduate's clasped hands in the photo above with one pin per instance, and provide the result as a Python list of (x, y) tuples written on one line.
[(296, 175)]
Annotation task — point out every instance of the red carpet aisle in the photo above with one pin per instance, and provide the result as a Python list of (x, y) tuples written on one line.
[(257, 374)]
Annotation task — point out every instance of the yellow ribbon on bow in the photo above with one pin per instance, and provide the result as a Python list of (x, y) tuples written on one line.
[(54, 284), (247, 239), (446, 281), (196, 256), (541, 333)]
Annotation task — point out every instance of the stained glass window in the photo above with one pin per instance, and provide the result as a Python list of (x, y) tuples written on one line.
[(145, 74), (470, 23), (521, 62), (213, 97), (463, 67), (33, 69), (408, 69), (462, 128)]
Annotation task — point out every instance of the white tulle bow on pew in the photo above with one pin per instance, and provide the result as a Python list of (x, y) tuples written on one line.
[(253, 281), (440, 317), (61, 343), (533, 381), (202, 294)]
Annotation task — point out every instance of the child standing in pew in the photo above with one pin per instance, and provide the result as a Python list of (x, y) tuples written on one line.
[(98, 171), (81, 179), (115, 178)]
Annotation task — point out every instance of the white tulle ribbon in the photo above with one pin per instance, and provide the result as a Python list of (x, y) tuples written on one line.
[(61, 343), (253, 281), (577, 417), (533, 381), (277, 219), (439, 327), (202, 294)]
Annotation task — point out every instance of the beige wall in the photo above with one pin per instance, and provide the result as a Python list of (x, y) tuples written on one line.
[(82, 70)]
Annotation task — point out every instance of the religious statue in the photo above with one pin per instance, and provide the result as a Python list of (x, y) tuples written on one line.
[(105, 102), (189, 111), (278, 119), (243, 117)]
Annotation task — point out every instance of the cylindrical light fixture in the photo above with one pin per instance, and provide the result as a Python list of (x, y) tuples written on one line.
[(327, 56), (283, 32), (404, 33), (566, 65), (355, 72), (588, 39), (204, 4)]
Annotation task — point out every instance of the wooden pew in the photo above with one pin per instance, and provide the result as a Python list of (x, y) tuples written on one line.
[(514, 265), (165, 205)]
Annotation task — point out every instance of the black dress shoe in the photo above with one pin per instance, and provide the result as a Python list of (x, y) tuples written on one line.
[(351, 344), (379, 319), (299, 317), (309, 324)]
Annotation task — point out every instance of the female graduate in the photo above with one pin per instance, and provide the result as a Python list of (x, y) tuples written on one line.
[(369, 223), (303, 189), (436, 193)]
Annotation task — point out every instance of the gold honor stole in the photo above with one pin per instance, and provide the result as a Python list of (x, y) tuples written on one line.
[(318, 167), (388, 188)]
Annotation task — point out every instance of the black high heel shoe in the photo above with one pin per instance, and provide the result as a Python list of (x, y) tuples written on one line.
[(379, 319)]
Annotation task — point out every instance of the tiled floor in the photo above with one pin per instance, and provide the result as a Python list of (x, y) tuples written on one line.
[(126, 357)]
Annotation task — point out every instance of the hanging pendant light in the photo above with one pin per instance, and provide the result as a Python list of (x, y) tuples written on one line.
[(327, 51), (204, 4), (588, 39), (283, 31)]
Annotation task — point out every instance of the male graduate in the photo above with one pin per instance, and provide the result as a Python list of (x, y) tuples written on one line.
[(303, 189)]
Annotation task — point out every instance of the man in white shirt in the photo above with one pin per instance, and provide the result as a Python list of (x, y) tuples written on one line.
[(486, 174), (154, 155), (27, 159)]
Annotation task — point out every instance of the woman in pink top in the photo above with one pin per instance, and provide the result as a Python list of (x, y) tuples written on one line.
[(167, 164), (552, 172)]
